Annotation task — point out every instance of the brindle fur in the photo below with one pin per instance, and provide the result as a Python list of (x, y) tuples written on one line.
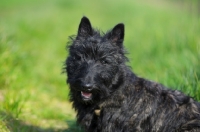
[(126, 102)]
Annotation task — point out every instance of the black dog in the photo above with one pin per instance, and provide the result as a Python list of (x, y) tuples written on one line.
[(108, 97)]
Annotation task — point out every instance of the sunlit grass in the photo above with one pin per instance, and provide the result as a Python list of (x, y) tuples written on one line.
[(162, 39)]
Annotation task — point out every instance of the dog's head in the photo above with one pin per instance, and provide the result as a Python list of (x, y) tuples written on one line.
[(95, 62)]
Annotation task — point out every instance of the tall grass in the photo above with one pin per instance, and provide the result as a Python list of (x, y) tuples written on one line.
[(162, 38)]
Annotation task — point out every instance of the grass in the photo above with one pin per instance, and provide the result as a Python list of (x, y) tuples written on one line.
[(162, 38)]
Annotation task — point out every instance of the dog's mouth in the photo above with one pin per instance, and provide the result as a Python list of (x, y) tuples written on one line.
[(86, 95)]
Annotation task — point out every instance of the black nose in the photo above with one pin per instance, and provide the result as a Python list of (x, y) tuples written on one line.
[(87, 87)]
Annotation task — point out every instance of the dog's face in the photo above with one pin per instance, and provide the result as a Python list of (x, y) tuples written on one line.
[(95, 62)]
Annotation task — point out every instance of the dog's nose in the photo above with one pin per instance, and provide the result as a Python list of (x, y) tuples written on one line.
[(87, 87)]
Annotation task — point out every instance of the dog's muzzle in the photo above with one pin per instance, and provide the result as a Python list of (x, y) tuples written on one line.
[(86, 92)]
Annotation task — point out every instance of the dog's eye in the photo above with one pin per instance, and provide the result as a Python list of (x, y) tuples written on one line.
[(104, 61), (77, 58)]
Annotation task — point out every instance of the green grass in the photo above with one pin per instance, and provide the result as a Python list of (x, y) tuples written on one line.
[(162, 38)]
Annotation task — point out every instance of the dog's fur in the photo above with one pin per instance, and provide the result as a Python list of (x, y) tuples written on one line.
[(109, 97)]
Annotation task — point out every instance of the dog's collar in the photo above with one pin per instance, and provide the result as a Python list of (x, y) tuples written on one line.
[(97, 112)]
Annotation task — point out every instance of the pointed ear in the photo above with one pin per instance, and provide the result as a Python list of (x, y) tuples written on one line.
[(85, 27), (117, 33)]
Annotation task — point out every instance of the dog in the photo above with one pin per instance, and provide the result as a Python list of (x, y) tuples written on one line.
[(109, 97)]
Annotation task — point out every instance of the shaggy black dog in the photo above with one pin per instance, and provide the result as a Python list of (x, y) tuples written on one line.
[(109, 97)]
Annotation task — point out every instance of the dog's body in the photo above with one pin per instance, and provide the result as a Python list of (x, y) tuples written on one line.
[(108, 97)]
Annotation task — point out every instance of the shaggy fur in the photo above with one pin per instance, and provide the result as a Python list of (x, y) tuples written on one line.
[(109, 97)]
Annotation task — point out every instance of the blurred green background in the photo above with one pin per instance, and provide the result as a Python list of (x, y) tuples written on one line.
[(161, 36)]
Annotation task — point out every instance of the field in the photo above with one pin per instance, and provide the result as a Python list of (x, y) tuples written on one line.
[(161, 36)]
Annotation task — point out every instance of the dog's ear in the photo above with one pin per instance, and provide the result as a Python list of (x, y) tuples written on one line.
[(85, 27), (117, 33)]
